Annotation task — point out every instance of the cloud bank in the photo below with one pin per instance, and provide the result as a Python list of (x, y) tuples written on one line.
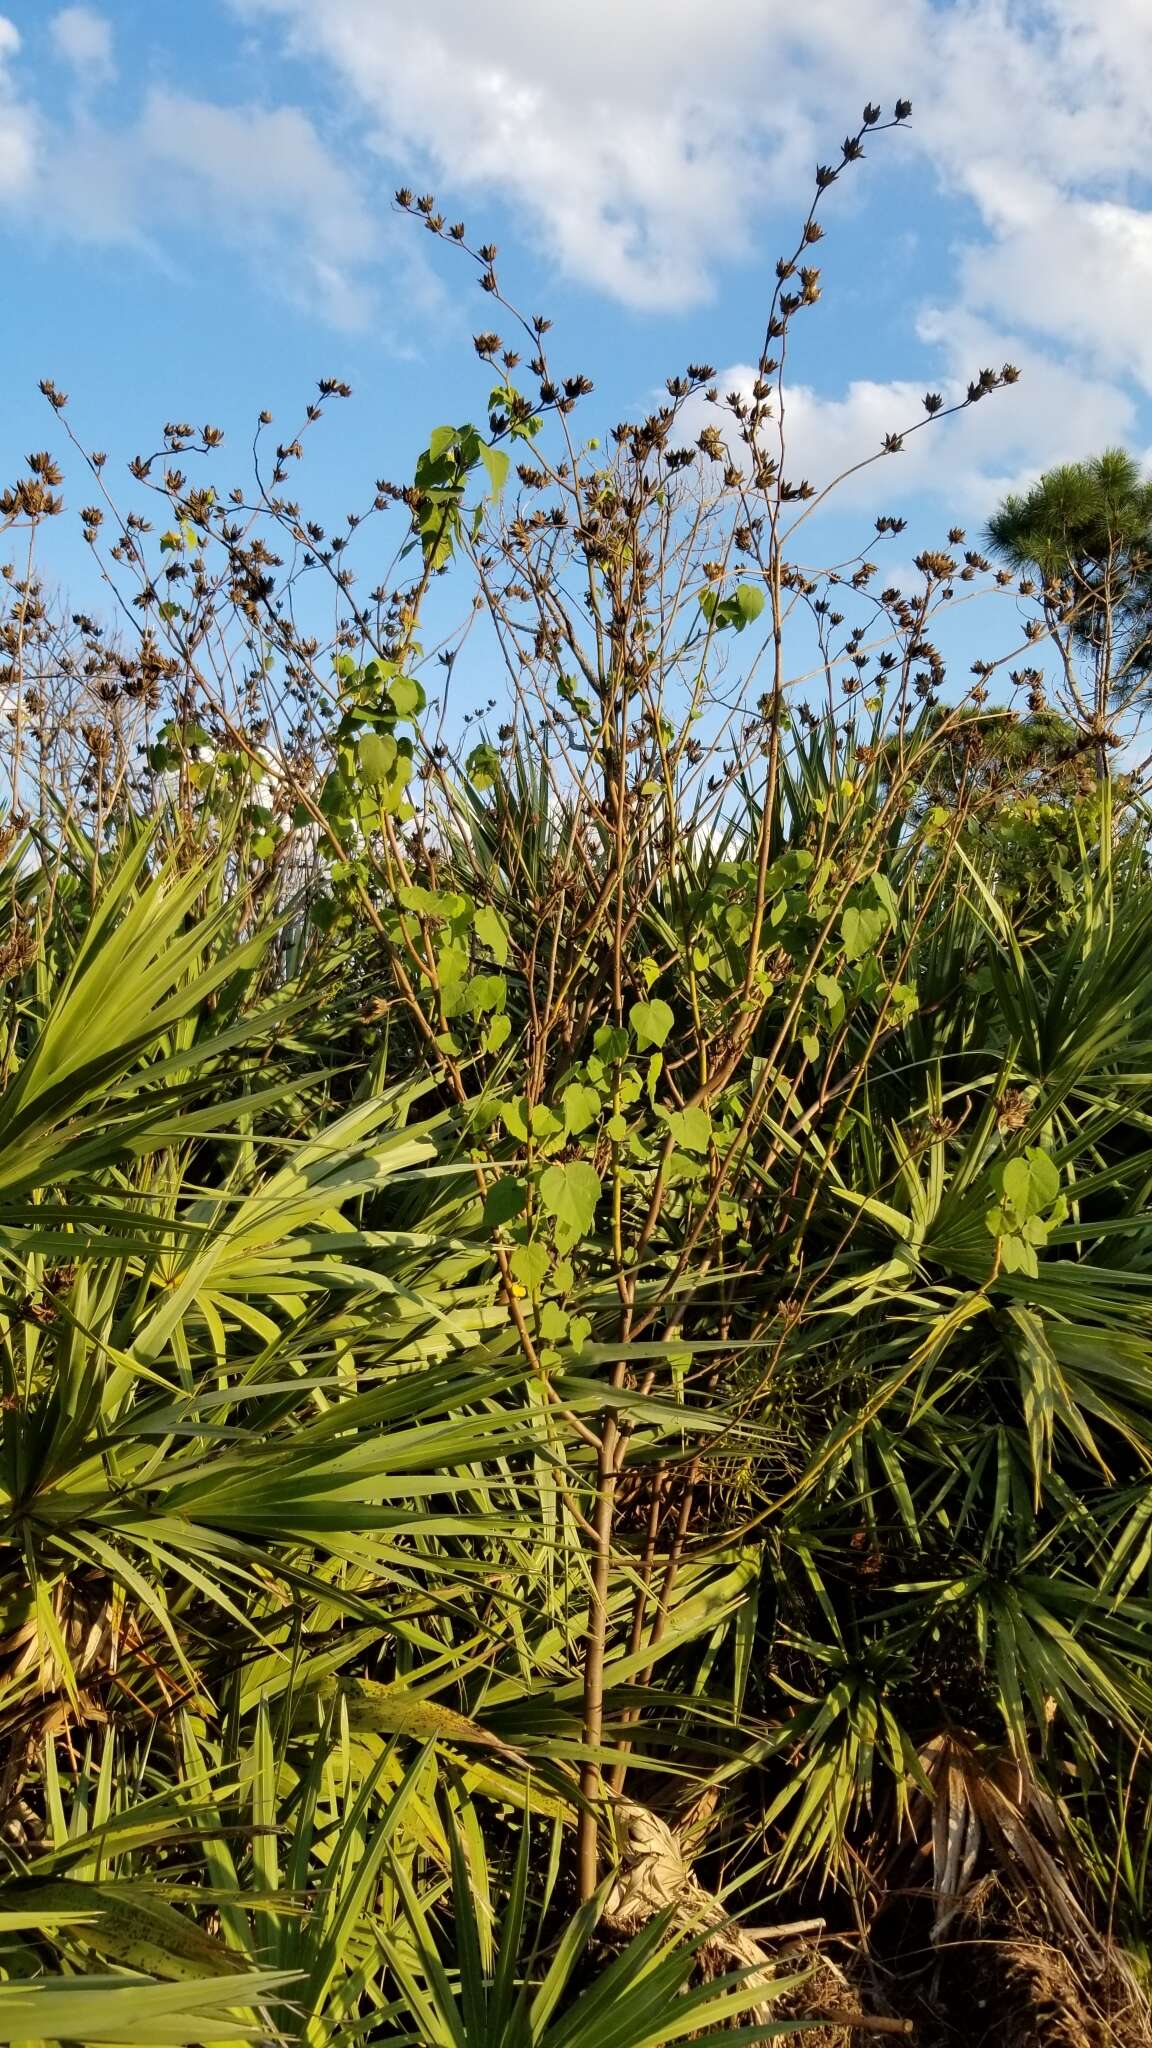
[(639, 148)]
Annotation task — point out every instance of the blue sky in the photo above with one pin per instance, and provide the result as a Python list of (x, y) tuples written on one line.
[(196, 210)]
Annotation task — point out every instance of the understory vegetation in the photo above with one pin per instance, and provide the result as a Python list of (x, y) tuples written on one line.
[(575, 1261)]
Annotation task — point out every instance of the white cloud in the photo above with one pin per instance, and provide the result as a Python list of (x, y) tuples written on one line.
[(254, 179), (17, 120), (643, 141), (628, 135), (1076, 268), (83, 39), (258, 174), (963, 466)]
